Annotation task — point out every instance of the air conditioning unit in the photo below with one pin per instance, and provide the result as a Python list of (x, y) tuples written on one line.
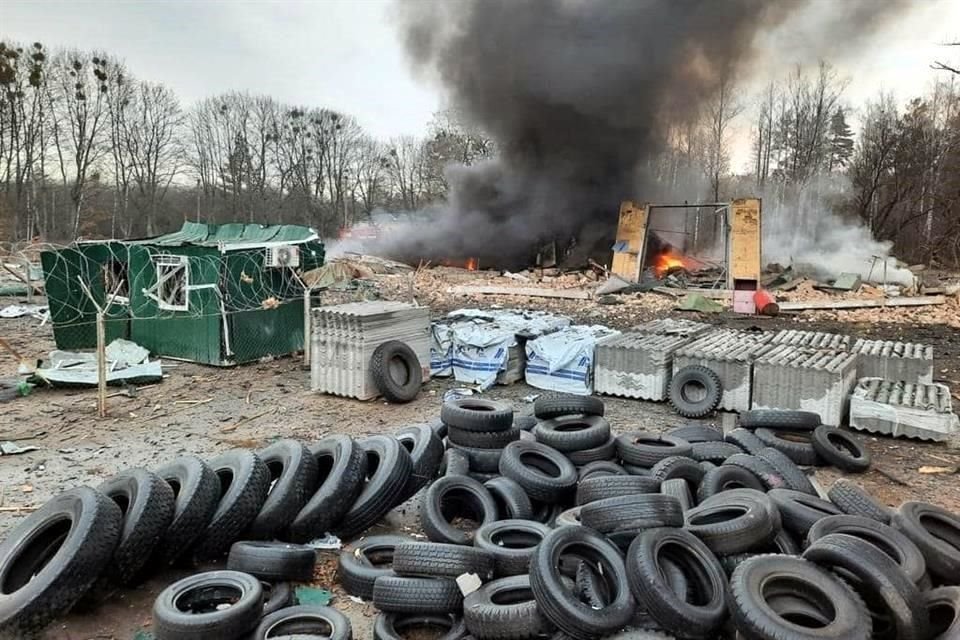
[(288, 256)]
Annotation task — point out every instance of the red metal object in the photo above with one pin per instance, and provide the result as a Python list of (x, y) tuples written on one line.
[(765, 303)]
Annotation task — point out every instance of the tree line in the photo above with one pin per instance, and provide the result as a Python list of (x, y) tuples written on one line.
[(88, 149)]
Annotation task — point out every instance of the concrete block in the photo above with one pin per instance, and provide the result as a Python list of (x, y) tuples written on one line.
[(907, 409), (731, 355), (813, 339), (805, 379), (636, 365), (895, 360), (344, 338)]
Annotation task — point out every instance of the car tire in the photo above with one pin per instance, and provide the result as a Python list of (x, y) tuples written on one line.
[(384, 489), (800, 511), (678, 467), (483, 439), (715, 452), (698, 405), (746, 440), (504, 609), (879, 581), (342, 470), (796, 445), (760, 468), (694, 433), (557, 406), (631, 513), (793, 476), (396, 372), (481, 460), (451, 497), (936, 532), (244, 483), (841, 450), (38, 586), (204, 592), (196, 490), (512, 501), (276, 596), (544, 473), (765, 591), (654, 593), (573, 433), (732, 523), (273, 561), (644, 449), (679, 489), (454, 463), (477, 414), (943, 609), (404, 594), (778, 419), (293, 479), (366, 561), (600, 468), (439, 560), (724, 478), (426, 452), (305, 621), (554, 599), (594, 489), (854, 501), (890, 541), (147, 502), (604, 453), (511, 544), (398, 626)]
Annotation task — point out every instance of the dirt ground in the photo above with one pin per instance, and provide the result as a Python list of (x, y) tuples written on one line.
[(204, 411)]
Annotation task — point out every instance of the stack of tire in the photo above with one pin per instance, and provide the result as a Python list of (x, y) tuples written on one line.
[(683, 535), (478, 430), (257, 586)]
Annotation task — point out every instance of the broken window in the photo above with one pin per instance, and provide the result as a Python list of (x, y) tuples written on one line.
[(115, 281), (170, 292)]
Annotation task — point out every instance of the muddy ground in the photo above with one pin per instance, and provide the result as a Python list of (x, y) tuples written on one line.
[(205, 411)]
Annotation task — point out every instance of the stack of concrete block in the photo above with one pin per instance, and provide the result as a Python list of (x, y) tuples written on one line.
[(899, 408), (812, 340), (636, 365), (895, 360), (806, 379), (345, 336), (730, 354)]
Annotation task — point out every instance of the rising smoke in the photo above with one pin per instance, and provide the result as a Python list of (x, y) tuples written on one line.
[(578, 96)]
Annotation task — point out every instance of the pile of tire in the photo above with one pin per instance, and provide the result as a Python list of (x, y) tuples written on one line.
[(581, 533), (543, 526)]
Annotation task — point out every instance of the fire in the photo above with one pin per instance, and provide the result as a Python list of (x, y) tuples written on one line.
[(667, 261), (472, 264)]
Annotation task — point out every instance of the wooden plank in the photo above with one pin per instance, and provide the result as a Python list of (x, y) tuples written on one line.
[(532, 292), (862, 304), (631, 229)]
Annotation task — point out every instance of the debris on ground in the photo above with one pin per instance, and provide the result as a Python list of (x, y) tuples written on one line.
[(127, 363)]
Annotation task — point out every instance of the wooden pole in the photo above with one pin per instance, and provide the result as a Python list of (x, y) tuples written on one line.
[(307, 328), (101, 365)]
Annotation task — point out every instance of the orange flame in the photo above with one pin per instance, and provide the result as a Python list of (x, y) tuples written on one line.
[(472, 264), (668, 260)]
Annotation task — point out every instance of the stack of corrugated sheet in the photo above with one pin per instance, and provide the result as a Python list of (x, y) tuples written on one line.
[(673, 327), (895, 360), (345, 336), (900, 408), (803, 378), (812, 339), (730, 354), (636, 365)]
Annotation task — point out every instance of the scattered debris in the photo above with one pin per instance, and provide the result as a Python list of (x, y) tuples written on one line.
[(532, 292), (127, 363), (698, 302), (8, 448), (37, 311), (861, 304)]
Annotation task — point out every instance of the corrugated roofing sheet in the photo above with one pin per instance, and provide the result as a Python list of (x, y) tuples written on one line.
[(234, 233)]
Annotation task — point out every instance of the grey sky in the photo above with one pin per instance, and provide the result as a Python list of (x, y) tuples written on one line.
[(345, 55)]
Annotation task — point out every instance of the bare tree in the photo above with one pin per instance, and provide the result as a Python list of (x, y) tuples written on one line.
[(78, 96), (405, 166), (721, 110), (370, 171)]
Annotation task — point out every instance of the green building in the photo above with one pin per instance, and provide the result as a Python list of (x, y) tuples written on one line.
[(215, 294)]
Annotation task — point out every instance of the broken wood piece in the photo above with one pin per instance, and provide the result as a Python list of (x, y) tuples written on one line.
[(28, 507), (532, 292), (938, 470), (889, 476), (233, 427), (862, 304)]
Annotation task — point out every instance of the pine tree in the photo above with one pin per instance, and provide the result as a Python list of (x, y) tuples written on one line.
[(841, 140)]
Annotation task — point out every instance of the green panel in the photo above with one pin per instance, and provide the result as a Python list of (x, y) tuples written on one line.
[(266, 332), (71, 311), (193, 334)]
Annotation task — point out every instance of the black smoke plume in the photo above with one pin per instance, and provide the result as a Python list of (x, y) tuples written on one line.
[(578, 96)]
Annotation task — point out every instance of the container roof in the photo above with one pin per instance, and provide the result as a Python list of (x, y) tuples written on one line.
[(232, 236)]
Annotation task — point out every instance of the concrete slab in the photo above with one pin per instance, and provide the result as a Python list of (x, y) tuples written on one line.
[(905, 409), (636, 365), (805, 379), (731, 355), (895, 360)]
